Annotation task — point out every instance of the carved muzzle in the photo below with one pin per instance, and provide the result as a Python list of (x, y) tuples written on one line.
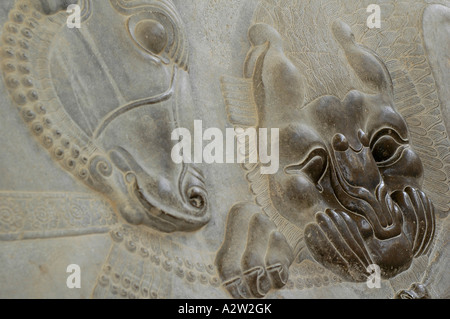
[(360, 188)]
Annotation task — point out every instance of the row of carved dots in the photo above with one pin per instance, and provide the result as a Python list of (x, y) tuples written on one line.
[(125, 288), (17, 72), (301, 283), (309, 276), (129, 288), (205, 274), (134, 245)]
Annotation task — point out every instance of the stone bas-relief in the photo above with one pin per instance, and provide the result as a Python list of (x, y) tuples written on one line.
[(363, 149), (363, 179), (86, 125)]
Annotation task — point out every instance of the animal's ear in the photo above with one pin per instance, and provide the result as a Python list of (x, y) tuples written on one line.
[(366, 63), (50, 7), (261, 37)]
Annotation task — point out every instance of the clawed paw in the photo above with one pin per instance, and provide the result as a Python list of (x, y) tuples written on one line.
[(346, 243), (254, 257), (337, 241), (419, 218)]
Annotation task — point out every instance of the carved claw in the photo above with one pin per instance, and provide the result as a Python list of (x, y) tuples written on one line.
[(237, 288), (333, 242), (279, 274), (278, 259), (345, 242), (416, 291), (258, 281), (254, 257), (419, 215)]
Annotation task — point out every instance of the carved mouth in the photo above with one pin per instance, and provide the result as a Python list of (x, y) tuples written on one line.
[(166, 206), (190, 217)]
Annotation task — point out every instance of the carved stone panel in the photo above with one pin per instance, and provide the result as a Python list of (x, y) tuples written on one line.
[(224, 149)]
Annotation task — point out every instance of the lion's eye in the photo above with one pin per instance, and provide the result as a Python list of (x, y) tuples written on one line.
[(384, 148), (314, 166), (151, 35), (387, 147)]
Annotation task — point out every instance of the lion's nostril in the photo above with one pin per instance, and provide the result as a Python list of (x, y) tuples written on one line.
[(340, 143), (363, 138)]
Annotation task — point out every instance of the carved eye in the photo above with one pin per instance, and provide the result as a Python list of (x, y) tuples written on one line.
[(151, 35), (158, 32), (314, 166), (387, 147)]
